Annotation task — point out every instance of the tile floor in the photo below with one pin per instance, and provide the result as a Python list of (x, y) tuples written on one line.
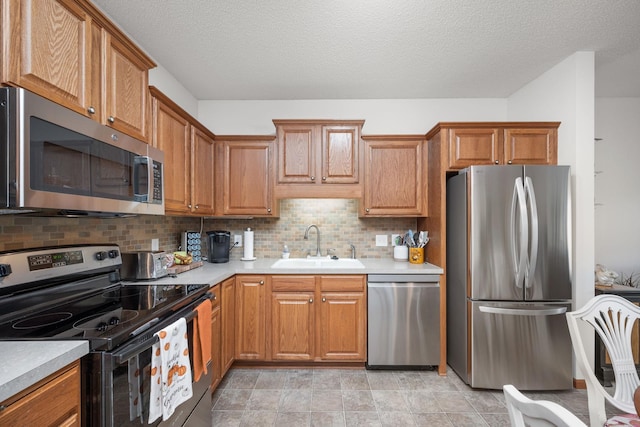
[(358, 397)]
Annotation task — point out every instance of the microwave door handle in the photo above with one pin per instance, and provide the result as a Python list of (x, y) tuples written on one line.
[(533, 256), (138, 162)]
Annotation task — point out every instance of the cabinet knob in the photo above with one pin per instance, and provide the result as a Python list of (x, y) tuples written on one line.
[(310, 300), (111, 119), (269, 210), (367, 210), (91, 110), (496, 162), (197, 206), (324, 299), (324, 178), (189, 206), (509, 162), (262, 282), (313, 178), (215, 297)]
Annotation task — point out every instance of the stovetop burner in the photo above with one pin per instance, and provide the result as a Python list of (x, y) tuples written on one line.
[(41, 320)]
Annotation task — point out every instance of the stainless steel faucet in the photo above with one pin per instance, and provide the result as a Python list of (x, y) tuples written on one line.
[(306, 237), (353, 251)]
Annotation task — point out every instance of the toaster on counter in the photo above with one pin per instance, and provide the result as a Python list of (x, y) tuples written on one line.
[(144, 265)]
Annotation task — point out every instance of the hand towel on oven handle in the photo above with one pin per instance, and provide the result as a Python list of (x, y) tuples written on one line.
[(202, 339), (170, 371)]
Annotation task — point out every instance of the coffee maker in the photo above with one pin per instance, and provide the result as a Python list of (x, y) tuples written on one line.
[(219, 244)]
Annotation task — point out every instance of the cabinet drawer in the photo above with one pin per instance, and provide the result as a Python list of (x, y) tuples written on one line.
[(293, 283), (342, 283)]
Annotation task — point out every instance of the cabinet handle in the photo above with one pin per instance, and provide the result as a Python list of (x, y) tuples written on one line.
[(509, 162), (91, 110), (313, 178), (324, 178), (262, 282), (111, 119), (324, 299), (496, 162), (310, 300)]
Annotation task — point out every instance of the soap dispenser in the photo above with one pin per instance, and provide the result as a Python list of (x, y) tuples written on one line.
[(285, 252)]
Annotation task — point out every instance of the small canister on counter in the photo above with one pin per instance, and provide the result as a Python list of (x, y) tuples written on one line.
[(416, 255)]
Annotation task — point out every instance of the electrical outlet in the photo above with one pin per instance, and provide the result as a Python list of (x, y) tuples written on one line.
[(237, 240), (381, 240), (155, 244), (393, 239)]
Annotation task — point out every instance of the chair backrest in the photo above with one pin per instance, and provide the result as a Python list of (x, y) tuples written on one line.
[(614, 319), (537, 413)]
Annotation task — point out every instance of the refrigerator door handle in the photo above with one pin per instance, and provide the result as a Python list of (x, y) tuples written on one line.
[(533, 256), (549, 311), (521, 224)]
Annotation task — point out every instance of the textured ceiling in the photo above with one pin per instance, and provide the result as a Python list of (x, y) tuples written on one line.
[(367, 49)]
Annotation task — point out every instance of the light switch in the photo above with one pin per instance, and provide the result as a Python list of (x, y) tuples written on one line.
[(381, 240), (155, 244)]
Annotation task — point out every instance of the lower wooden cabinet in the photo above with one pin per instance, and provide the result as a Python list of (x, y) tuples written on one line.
[(227, 324), (54, 401), (250, 317), (216, 335)]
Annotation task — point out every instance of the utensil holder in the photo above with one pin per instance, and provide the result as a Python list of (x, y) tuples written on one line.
[(416, 255), (401, 253)]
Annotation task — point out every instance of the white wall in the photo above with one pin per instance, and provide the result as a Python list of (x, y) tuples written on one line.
[(566, 93), (163, 80), (617, 197), (408, 116)]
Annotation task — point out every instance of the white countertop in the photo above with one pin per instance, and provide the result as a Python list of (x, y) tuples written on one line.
[(27, 362), (211, 273), (24, 363)]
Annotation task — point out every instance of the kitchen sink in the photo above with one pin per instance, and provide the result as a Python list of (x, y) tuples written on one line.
[(302, 263)]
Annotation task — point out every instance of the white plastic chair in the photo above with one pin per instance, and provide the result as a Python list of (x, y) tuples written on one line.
[(526, 412), (613, 318)]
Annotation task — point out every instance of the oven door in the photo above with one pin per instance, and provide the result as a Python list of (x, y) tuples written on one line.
[(112, 379)]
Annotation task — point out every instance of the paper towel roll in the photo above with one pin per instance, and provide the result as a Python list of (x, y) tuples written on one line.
[(248, 244)]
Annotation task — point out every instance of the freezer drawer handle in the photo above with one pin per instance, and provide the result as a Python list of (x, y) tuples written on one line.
[(524, 312)]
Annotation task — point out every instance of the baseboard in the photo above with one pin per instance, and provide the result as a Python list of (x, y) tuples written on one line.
[(579, 384)]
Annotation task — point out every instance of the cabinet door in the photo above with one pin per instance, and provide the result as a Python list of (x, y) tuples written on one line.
[(216, 338), (292, 325), (250, 317), (126, 90), (342, 318), (340, 145), (395, 184), (202, 172), (49, 45), (53, 402), (228, 313), (296, 153), (535, 146), (171, 135), (247, 177), (468, 146)]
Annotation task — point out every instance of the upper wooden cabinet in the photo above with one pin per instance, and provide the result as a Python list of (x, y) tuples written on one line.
[(498, 143), (315, 154), (189, 157), (395, 182), (69, 52), (245, 176)]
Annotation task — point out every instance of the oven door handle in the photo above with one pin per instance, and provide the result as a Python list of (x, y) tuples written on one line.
[(129, 351)]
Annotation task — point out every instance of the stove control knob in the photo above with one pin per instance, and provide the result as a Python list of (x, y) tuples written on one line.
[(5, 270), (102, 255), (114, 321), (113, 253), (102, 326)]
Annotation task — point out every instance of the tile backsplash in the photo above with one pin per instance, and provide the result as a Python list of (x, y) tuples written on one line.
[(337, 220)]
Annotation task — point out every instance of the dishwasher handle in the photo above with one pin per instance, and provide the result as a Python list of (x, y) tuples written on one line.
[(403, 278)]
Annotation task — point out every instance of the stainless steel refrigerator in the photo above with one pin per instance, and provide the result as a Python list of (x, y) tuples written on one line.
[(509, 276)]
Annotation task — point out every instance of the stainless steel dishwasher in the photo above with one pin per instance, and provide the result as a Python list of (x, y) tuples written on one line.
[(403, 315)]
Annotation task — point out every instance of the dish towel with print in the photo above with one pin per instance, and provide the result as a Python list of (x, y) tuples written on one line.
[(202, 339), (170, 371)]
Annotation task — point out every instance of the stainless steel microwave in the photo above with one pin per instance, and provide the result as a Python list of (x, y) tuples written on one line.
[(55, 160)]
